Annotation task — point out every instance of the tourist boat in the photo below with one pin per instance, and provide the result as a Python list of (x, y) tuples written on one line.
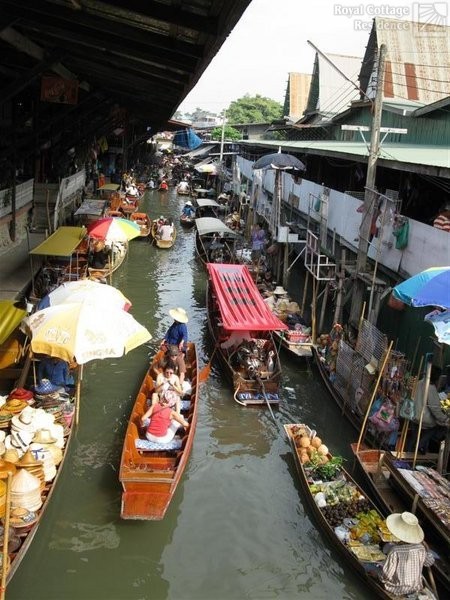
[(376, 466), (183, 190), (26, 530), (241, 326), (340, 500), (144, 222), (297, 344), (206, 207), (165, 244), (150, 472), (215, 242), (119, 251), (129, 205)]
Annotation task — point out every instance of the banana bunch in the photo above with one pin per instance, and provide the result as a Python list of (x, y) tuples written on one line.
[(445, 405)]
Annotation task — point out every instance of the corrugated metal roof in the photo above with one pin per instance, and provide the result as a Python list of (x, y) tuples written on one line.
[(299, 84), (335, 93), (417, 59)]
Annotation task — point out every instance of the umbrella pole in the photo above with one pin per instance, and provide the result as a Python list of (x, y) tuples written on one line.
[(424, 403), (78, 394), (6, 537), (374, 393)]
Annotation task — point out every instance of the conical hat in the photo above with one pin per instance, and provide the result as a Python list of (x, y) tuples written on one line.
[(28, 460), (24, 482), (179, 314)]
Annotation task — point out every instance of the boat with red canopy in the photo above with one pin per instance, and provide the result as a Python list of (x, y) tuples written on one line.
[(241, 325)]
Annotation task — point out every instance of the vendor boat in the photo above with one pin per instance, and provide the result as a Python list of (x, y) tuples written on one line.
[(165, 244), (144, 222), (118, 253), (377, 467), (241, 326), (150, 472), (187, 221), (335, 499)]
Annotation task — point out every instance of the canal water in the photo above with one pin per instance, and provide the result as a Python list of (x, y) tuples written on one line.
[(237, 527)]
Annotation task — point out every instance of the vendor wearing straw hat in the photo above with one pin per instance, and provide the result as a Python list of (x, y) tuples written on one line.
[(402, 571), (177, 334)]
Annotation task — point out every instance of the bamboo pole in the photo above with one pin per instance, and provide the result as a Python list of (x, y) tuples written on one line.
[(424, 404), (5, 562), (305, 288), (375, 389), (406, 423)]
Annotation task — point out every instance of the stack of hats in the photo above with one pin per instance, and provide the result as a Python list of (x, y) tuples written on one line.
[(47, 393), (46, 457), (5, 418), (21, 394), (25, 491), (11, 455), (34, 467), (2, 442), (22, 519), (47, 441), (22, 431), (15, 405)]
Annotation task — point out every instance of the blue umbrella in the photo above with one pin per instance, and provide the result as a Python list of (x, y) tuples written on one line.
[(428, 288), (279, 160)]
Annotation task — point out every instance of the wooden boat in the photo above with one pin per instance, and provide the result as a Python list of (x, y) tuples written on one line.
[(150, 473), (376, 466), (183, 191), (243, 336), (206, 207), (163, 187), (165, 244), (118, 254), (114, 213), (299, 346), (215, 242), (350, 501), (27, 532), (144, 222), (129, 205)]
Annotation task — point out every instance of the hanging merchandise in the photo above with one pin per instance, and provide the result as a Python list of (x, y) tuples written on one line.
[(401, 232), (407, 409)]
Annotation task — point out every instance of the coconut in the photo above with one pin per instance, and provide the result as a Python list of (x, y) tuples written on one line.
[(316, 442), (322, 449)]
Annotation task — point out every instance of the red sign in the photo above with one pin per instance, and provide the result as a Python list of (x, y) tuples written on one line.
[(59, 90)]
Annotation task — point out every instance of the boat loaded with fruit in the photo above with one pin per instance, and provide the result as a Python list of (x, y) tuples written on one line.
[(343, 511)]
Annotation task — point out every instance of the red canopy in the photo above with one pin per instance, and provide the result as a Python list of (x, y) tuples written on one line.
[(241, 305)]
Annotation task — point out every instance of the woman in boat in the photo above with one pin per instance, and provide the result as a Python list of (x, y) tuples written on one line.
[(168, 380), (56, 371), (164, 421), (401, 573), (188, 210), (100, 255), (177, 334)]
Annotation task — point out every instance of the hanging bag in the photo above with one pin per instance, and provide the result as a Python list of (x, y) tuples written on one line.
[(408, 409), (384, 418)]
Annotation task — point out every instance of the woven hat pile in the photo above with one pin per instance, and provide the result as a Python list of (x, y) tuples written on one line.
[(46, 457), (15, 405), (45, 388), (11, 455), (34, 467), (22, 519), (45, 440), (21, 394), (25, 491), (5, 418)]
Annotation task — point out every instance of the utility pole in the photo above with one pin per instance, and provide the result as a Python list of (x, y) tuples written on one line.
[(370, 196), (222, 170)]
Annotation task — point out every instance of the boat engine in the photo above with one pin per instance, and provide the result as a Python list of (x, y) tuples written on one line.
[(252, 359)]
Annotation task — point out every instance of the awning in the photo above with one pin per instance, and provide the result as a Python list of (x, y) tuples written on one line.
[(10, 318), (206, 225), (241, 306), (61, 243), (109, 187), (91, 206), (200, 151), (187, 138), (210, 169), (204, 202)]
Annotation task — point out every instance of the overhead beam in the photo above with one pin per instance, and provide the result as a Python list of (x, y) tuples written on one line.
[(23, 44)]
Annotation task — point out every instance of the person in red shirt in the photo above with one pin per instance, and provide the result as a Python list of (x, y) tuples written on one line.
[(164, 421)]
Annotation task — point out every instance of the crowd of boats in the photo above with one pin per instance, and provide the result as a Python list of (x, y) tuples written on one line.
[(250, 319)]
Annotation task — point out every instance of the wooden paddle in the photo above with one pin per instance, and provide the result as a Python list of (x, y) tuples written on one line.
[(261, 383), (206, 371)]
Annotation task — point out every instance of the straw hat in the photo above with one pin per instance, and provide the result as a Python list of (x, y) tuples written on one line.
[(179, 314), (20, 394), (28, 460), (405, 526), (11, 455), (24, 421), (15, 405), (21, 439), (22, 517), (188, 203), (44, 436), (46, 387), (24, 482), (280, 291)]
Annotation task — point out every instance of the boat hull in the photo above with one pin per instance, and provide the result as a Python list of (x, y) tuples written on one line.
[(149, 478)]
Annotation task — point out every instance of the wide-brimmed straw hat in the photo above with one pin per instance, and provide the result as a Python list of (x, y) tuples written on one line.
[(188, 203), (15, 405), (20, 394), (405, 526), (280, 291), (179, 314), (44, 436), (24, 420)]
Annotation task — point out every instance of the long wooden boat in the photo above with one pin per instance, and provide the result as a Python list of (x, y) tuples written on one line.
[(373, 464), (144, 222), (27, 532), (182, 191), (150, 473), (118, 254), (351, 500), (296, 346), (165, 244), (215, 242), (129, 205), (241, 325)]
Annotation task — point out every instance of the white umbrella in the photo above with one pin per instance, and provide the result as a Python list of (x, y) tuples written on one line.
[(86, 290), (84, 331)]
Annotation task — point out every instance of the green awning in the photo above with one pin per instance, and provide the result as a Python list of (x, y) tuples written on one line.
[(61, 243), (10, 318)]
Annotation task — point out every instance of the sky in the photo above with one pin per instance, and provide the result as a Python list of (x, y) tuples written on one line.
[(270, 41)]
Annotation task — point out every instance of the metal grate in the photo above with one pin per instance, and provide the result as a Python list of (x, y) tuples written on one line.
[(371, 342)]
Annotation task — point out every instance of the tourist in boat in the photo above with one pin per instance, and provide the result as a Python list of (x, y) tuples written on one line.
[(401, 573), (166, 231), (164, 421), (168, 380), (56, 371), (151, 184), (188, 210), (159, 223), (164, 185), (183, 186), (131, 190), (177, 334)]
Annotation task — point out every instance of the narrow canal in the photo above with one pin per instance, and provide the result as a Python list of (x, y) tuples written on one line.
[(237, 526)]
